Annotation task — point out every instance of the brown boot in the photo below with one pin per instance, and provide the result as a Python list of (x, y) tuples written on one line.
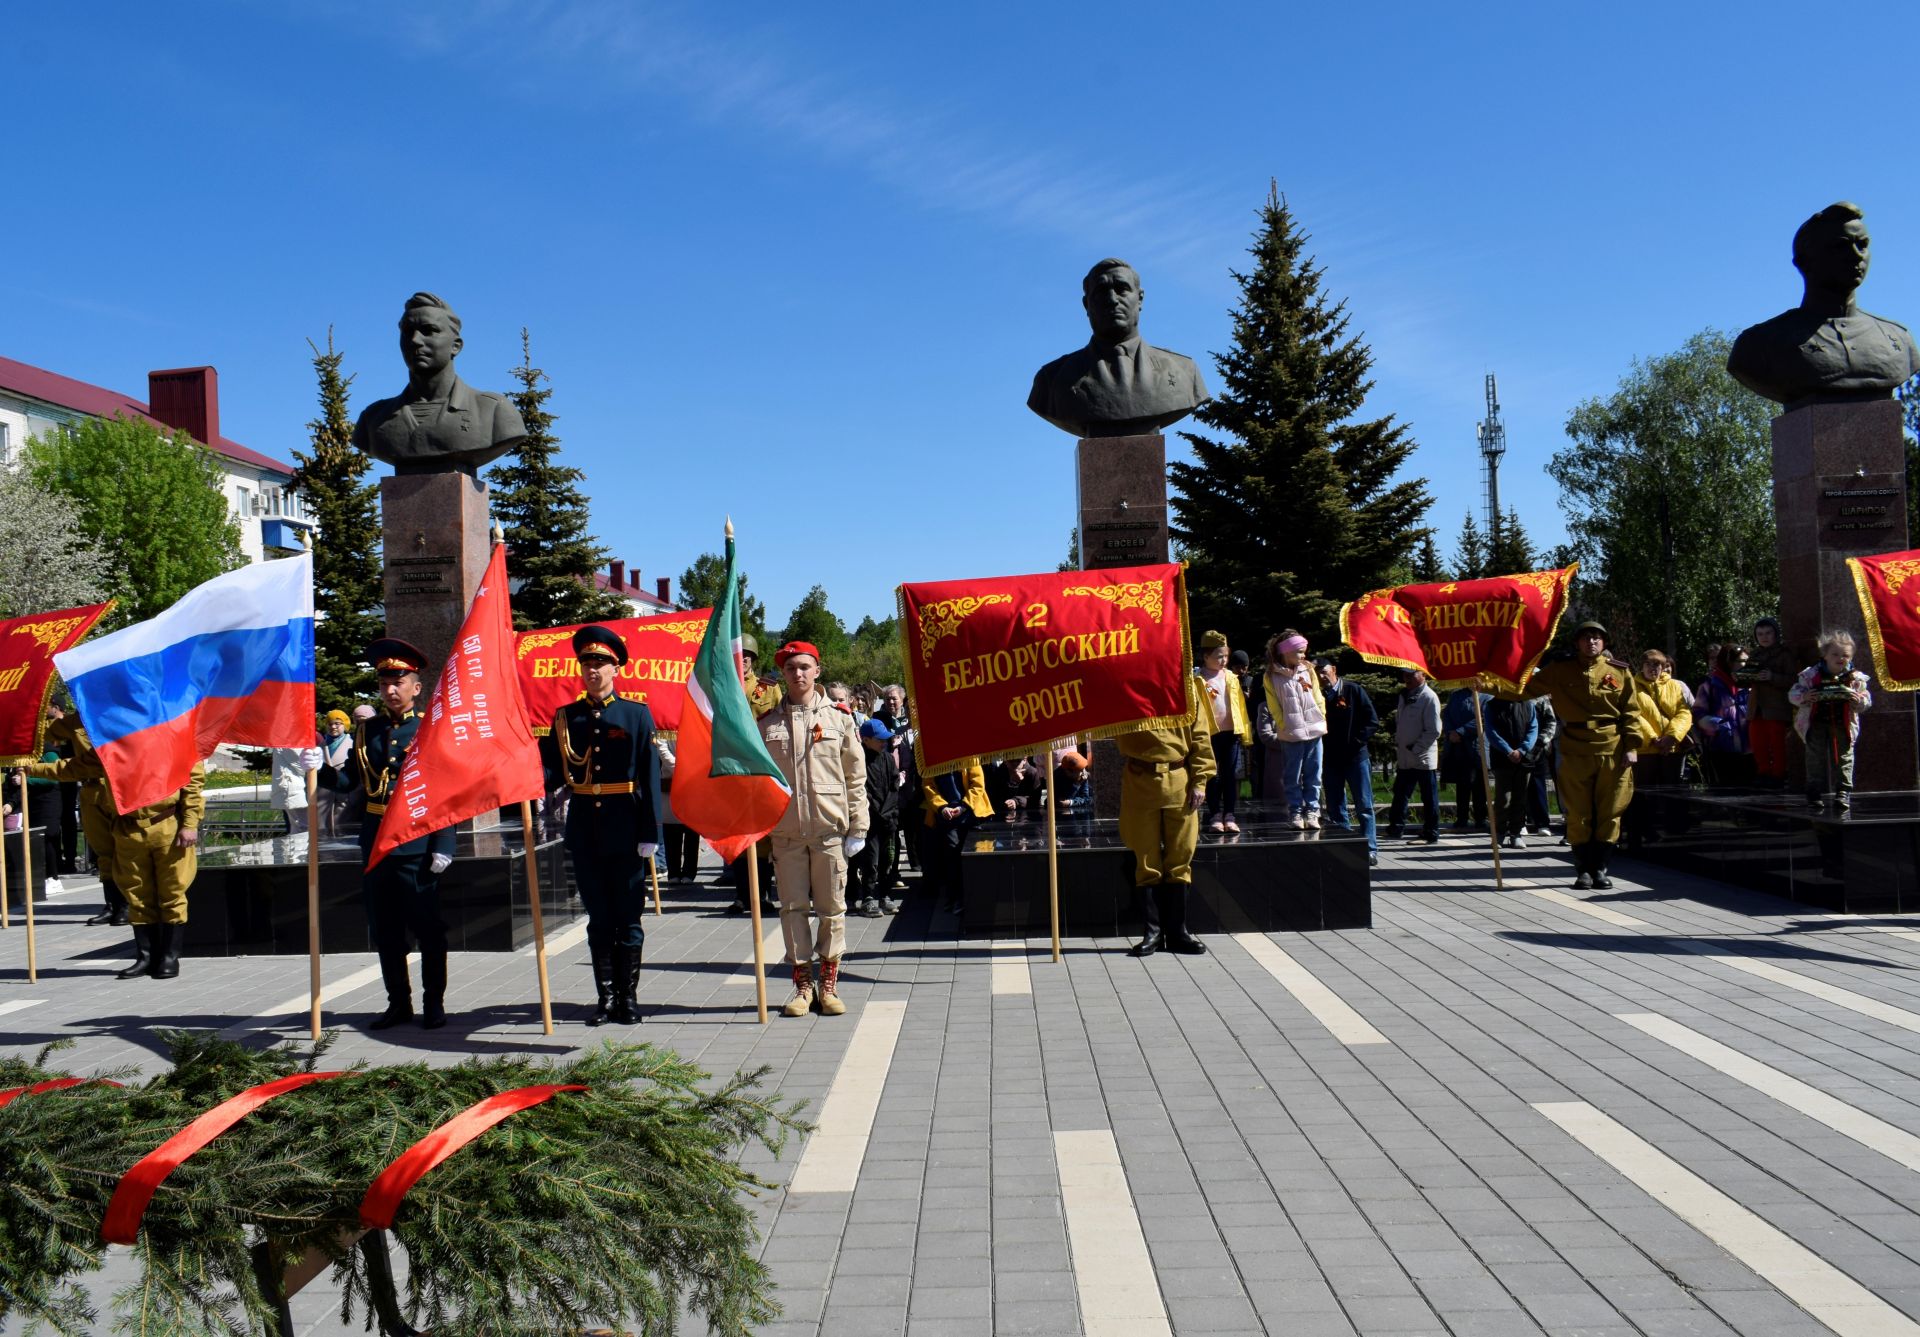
[(802, 1001), (830, 1004)]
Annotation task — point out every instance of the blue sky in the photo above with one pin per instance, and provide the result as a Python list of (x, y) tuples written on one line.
[(798, 264)]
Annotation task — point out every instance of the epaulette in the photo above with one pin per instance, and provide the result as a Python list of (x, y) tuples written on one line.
[(1618, 663)]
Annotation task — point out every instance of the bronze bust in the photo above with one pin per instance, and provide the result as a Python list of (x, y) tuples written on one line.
[(1826, 349), (439, 424), (1118, 385)]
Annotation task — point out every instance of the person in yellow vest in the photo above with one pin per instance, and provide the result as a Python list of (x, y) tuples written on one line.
[(955, 803), (1666, 717), (155, 857), (1163, 781), (1600, 736), (1230, 726)]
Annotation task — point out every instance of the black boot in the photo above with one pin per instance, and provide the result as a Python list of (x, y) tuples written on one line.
[(1173, 918), (602, 982), (1601, 850), (626, 969), (433, 989), (166, 950), (393, 974), (115, 910), (142, 953), (1155, 939), (1583, 867)]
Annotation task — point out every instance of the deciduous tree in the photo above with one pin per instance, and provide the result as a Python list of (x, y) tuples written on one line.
[(46, 562)]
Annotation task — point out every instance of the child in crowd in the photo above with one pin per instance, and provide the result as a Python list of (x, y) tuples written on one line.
[(1293, 720), (1227, 713), (883, 819), (1770, 673), (1666, 717), (1720, 718), (1827, 700)]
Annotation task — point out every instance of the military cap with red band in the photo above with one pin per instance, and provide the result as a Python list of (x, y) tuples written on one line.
[(792, 648)]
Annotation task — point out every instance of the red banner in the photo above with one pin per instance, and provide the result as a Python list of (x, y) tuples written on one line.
[(1893, 618), (27, 647), (1463, 630), (382, 1200), (1001, 667), (475, 749), (660, 653)]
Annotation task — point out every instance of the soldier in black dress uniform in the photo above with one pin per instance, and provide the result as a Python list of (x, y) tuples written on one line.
[(403, 892), (601, 748)]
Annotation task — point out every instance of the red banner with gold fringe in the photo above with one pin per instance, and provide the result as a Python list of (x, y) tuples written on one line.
[(1001, 667), (660, 653), (1889, 590), (27, 647), (1462, 630)]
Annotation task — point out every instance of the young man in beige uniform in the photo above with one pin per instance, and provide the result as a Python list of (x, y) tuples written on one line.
[(817, 747)]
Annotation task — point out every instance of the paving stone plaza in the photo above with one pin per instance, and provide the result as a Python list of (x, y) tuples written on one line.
[(1672, 1109)]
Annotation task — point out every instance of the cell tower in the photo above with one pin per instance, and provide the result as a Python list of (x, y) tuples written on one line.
[(1493, 444)]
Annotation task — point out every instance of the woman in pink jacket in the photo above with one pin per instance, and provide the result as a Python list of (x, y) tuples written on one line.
[(1291, 721)]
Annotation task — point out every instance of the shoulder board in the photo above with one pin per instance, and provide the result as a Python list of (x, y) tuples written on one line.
[(1618, 663)]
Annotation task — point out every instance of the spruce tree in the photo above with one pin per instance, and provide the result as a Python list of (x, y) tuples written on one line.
[(551, 556), (1290, 507), (1427, 567), (1509, 550), (1470, 552), (347, 593)]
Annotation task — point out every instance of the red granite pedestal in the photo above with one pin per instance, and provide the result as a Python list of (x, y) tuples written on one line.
[(1120, 485), (1839, 491), (434, 528)]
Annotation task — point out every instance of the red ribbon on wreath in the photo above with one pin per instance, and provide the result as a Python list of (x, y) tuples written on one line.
[(136, 1186), (14, 1093), (383, 1197)]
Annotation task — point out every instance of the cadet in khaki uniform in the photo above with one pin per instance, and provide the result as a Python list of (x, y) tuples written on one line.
[(817, 747), (154, 860), (96, 817), (1599, 741), (1163, 783)]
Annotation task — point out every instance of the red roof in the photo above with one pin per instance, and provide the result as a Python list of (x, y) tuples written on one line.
[(95, 401), (603, 581)]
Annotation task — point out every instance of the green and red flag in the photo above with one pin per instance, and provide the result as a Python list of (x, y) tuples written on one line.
[(1463, 630), (725, 783)]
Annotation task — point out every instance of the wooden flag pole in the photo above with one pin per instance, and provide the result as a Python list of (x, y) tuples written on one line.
[(26, 878), (313, 902), (539, 921), (6, 915), (759, 948), (1486, 780), (1053, 866), (653, 877)]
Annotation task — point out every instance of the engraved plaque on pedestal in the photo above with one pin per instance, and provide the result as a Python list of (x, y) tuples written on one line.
[(1839, 490)]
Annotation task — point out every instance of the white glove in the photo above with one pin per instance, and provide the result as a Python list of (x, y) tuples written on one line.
[(439, 864), (647, 849), (311, 758), (854, 844)]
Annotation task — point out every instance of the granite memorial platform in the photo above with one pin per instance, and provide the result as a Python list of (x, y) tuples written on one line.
[(251, 900), (1268, 878), (1861, 860)]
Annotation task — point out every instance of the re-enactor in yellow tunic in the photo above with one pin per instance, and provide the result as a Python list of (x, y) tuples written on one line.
[(1599, 740), (1163, 782)]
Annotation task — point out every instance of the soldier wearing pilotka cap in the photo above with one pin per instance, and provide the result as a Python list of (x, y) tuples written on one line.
[(601, 749), (402, 891)]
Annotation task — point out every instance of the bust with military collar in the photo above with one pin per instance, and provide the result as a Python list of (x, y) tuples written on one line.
[(439, 423)]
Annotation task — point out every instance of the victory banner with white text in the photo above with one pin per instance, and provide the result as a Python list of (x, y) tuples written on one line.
[(660, 653), (1462, 630), (1001, 667)]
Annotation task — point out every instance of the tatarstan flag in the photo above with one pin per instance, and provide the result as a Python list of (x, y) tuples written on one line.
[(725, 784)]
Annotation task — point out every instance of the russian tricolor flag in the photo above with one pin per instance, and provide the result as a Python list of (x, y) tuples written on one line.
[(232, 662)]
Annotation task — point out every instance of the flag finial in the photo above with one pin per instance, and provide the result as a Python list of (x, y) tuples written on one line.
[(729, 527)]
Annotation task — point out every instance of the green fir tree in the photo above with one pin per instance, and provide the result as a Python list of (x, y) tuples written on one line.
[(1290, 507), (551, 556), (1509, 550), (1427, 567), (1470, 553), (347, 593)]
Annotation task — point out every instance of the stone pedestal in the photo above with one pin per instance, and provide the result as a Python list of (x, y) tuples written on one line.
[(434, 527), (1120, 487), (1120, 484), (1839, 490)]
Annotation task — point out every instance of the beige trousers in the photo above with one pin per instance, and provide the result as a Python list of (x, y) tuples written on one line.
[(811, 873)]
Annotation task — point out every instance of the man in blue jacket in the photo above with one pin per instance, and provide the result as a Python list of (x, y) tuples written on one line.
[(1346, 766), (1513, 731), (403, 892)]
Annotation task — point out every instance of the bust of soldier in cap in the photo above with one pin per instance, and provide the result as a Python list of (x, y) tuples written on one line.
[(1826, 349), (1118, 385), (439, 423)]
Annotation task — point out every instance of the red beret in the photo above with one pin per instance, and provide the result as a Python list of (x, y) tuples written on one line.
[(792, 648)]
